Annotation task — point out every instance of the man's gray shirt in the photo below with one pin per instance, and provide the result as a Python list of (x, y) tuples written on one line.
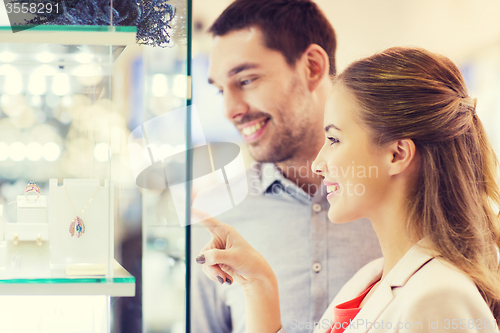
[(311, 256)]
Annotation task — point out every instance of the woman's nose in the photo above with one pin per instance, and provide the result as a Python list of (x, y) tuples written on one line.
[(318, 167)]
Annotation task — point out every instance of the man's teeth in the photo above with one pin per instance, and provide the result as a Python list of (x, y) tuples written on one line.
[(331, 188), (254, 128)]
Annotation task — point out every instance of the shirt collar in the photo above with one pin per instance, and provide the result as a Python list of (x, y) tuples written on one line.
[(271, 175)]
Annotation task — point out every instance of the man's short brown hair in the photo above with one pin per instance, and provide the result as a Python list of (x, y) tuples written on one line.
[(288, 26)]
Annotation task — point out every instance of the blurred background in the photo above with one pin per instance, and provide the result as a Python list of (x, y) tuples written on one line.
[(60, 124)]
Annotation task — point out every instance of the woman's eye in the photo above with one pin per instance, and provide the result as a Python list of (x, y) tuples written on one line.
[(333, 140)]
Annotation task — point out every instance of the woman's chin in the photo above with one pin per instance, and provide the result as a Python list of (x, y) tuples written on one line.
[(337, 218), (338, 215)]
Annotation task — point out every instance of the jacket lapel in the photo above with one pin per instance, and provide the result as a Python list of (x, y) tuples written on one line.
[(411, 262)]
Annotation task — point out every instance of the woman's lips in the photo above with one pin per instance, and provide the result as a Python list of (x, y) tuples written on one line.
[(331, 189)]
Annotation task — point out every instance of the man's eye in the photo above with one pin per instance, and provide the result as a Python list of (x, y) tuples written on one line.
[(247, 81)]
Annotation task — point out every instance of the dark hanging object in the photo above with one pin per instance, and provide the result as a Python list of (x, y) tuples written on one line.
[(151, 17)]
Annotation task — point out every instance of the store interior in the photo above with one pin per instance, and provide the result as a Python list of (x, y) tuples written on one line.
[(69, 111)]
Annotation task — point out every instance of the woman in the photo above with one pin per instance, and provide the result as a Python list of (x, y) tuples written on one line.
[(426, 177)]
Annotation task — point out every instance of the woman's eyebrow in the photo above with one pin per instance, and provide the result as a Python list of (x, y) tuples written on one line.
[(327, 128)]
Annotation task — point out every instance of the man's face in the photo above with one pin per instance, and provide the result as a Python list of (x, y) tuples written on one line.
[(264, 97)]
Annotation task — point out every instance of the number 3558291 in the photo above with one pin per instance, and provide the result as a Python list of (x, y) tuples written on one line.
[(32, 8)]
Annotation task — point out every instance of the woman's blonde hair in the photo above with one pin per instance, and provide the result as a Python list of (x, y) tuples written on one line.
[(412, 93)]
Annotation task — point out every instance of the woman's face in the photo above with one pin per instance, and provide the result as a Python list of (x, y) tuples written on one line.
[(355, 171)]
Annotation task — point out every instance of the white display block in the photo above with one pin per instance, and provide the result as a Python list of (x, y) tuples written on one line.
[(27, 231), (27, 252), (31, 211), (95, 245), (27, 260)]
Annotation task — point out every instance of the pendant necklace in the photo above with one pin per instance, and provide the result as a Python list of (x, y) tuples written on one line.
[(77, 225)]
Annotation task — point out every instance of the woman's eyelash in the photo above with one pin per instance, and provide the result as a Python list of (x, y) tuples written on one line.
[(333, 140)]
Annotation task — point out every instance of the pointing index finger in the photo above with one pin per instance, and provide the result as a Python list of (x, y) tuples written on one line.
[(205, 220)]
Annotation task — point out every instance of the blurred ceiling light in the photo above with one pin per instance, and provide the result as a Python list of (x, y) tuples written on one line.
[(13, 83), (36, 85), (180, 86), (60, 84), (46, 70), (8, 69), (84, 57), (101, 152), (17, 151), (7, 56), (159, 86), (4, 151), (51, 151), (45, 57), (87, 70), (34, 151)]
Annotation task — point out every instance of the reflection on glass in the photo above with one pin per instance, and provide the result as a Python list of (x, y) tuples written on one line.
[(36, 85), (60, 84)]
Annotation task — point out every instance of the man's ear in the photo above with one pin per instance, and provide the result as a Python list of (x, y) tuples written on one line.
[(317, 65), (402, 154)]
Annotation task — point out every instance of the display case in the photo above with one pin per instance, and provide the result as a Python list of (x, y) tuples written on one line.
[(62, 137), (70, 100)]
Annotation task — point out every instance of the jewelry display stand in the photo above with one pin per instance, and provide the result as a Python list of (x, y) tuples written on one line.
[(27, 250), (91, 253), (31, 211), (27, 240)]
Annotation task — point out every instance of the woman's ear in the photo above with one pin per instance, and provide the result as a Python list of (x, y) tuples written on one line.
[(317, 65), (402, 154)]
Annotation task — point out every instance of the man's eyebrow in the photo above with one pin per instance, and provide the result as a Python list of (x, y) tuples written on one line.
[(237, 69), (241, 68), (327, 128)]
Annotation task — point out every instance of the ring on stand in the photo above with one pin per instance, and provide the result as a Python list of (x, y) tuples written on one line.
[(31, 187)]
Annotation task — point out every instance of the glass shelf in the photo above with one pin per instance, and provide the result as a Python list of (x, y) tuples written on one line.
[(71, 35), (79, 60), (77, 28), (122, 284)]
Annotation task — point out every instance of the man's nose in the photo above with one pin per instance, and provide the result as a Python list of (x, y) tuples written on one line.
[(234, 105)]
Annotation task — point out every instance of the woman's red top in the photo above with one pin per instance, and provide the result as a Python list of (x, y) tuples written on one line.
[(345, 312)]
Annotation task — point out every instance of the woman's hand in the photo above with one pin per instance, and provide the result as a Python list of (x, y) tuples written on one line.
[(228, 257)]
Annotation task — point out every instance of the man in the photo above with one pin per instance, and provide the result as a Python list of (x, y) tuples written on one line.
[(272, 60)]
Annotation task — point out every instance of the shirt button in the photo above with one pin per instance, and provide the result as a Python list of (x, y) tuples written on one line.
[(317, 267), (317, 207)]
